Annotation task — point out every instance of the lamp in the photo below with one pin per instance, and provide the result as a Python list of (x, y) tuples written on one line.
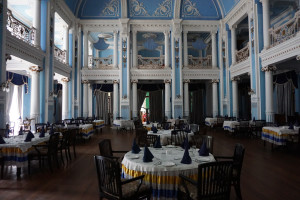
[(5, 86)]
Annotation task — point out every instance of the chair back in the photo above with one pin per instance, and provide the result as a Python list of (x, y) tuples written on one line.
[(141, 136), (108, 174), (214, 180), (53, 144), (105, 148), (238, 157), (39, 126), (151, 139), (199, 139), (177, 137)]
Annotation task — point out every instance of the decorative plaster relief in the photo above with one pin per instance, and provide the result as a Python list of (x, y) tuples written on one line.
[(111, 9), (164, 9), (189, 9)]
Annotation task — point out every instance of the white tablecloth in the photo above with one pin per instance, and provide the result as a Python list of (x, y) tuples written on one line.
[(98, 123), (174, 120), (230, 125), (210, 121), (165, 134), (87, 130), (278, 135), (15, 151), (164, 180), (127, 124)]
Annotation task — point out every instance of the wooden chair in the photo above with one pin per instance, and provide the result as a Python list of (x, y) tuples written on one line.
[(166, 125), (141, 136), (106, 150), (111, 186), (151, 139), (48, 151), (213, 182), (64, 145), (237, 158), (177, 137), (39, 126)]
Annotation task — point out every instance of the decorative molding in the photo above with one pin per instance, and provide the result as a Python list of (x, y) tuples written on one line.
[(298, 57), (238, 13), (235, 78), (202, 74), (35, 69), (167, 81), (64, 12), (186, 81), (269, 68), (240, 68), (189, 9), (61, 68), (85, 81), (142, 74), (150, 25), (203, 25), (96, 74), (100, 25), (134, 81), (215, 81), (283, 51), (23, 50), (115, 81), (65, 80)]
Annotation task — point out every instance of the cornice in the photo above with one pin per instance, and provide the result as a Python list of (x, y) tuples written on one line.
[(96, 74), (203, 25), (238, 12), (64, 11), (62, 68), (153, 25), (240, 68), (283, 51), (23, 50), (200, 74), (100, 25), (161, 74)]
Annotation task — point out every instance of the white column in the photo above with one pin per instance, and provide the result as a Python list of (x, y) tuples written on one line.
[(215, 97), (167, 99), (66, 43), (235, 105), (37, 23), (266, 22), (185, 49), (167, 48), (134, 98), (35, 93), (85, 49), (269, 92), (134, 49), (115, 99), (214, 49), (65, 98), (115, 49), (186, 98), (233, 44), (85, 110), (90, 100)]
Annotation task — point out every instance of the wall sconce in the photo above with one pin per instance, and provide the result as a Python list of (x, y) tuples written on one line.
[(5, 86), (251, 92)]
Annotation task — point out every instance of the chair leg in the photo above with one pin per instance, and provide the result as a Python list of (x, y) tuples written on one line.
[(62, 157), (74, 151), (69, 152), (66, 153), (237, 188)]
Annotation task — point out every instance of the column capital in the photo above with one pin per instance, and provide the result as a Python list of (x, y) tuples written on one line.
[(215, 81), (167, 81), (233, 27), (134, 31), (166, 33), (35, 69), (235, 78), (185, 32), (213, 32), (269, 68), (186, 81), (298, 57), (85, 82), (115, 81), (115, 32), (134, 81), (65, 80)]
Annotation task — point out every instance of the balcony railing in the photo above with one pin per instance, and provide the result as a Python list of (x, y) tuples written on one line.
[(285, 31), (100, 63), (199, 62), (19, 29), (60, 54), (242, 54), (151, 62)]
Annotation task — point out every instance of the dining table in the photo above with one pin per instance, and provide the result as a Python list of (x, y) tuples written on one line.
[(15, 150), (165, 135), (123, 124), (230, 125), (210, 121), (162, 174), (278, 135)]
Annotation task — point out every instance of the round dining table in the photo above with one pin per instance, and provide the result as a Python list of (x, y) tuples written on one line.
[(162, 174)]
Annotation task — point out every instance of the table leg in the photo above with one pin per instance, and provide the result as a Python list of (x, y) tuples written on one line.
[(18, 172)]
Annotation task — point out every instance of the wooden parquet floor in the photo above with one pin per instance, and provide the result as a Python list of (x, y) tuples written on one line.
[(266, 174)]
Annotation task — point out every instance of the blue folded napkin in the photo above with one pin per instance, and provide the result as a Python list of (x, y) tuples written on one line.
[(48, 124), (297, 123), (291, 126), (29, 137), (51, 131), (6, 133), (157, 143), (42, 133), (21, 131), (147, 155), (185, 144), (153, 129), (203, 150), (253, 119), (2, 140), (179, 117), (186, 159), (148, 122), (135, 148)]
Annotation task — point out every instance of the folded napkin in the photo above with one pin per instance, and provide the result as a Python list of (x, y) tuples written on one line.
[(147, 155), (154, 129), (21, 131), (291, 126), (135, 148), (148, 122), (6, 133), (185, 144), (2, 140), (203, 150), (48, 124), (157, 143), (253, 119), (166, 126), (42, 133), (29, 137), (51, 130), (186, 159)]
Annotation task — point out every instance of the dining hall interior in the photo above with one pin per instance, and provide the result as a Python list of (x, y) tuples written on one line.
[(139, 99)]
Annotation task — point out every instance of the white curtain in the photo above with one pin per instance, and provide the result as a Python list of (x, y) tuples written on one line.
[(285, 102), (102, 106), (20, 99), (9, 97), (140, 99)]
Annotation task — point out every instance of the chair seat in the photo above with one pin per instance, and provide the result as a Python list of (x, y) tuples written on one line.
[(129, 189)]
